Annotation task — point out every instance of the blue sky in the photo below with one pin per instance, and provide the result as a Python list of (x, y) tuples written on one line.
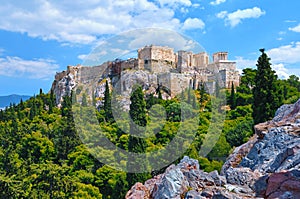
[(39, 37)]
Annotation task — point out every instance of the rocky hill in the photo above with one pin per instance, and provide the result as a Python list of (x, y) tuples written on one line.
[(267, 166)]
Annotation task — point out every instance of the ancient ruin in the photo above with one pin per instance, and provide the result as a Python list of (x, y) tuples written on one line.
[(154, 66)]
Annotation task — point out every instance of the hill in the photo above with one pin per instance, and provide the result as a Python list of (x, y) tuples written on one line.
[(7, 100)]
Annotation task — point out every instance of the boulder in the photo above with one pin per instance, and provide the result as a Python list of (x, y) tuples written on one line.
[(138, 191), (285, 184)]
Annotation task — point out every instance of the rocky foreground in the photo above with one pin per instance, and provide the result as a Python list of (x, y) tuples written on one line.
[(267, 166)]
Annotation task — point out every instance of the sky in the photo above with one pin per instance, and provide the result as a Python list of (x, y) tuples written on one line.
[(40, 37)]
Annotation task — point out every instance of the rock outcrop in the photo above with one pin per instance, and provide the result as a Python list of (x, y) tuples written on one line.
[(267, 166)]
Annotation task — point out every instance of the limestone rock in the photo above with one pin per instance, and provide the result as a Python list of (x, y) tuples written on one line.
[(267, 166), (138, 191)]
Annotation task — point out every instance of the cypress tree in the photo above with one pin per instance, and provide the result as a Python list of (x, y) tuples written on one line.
[(266, 97), (33, 109), (202, 94), (84, 100), (107, 103), (66, 139), (232, 99), (136, 144)]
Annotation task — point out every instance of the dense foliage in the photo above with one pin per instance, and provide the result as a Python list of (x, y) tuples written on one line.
[(41, 155), (267, 96)]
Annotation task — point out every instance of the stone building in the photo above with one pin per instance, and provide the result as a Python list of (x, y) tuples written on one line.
[(158, 66)]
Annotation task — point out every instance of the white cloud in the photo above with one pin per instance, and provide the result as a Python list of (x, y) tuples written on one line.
[(284, 60), (217, 2), (288, 54), (175, 2), (222, 14), (126, 43), (235, 18), (193, 23), (242, 63), (196, 5), (282, 33), (82, 56), (83, 22), (281, 71), (290, 21), (35, 69), (296, 28)]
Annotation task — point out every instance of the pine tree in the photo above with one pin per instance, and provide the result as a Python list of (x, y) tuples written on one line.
[(33, 109), (66, 139), (51, 102), (107, 103), (232, 99), (266, 97), (136, 144)]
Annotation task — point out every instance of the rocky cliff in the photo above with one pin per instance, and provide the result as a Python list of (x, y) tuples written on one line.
[(267, 166)]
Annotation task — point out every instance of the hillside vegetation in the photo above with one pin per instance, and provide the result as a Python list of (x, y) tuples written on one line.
[(41, 155)]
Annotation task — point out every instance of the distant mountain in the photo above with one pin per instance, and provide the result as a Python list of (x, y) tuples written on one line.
[(6, 100)]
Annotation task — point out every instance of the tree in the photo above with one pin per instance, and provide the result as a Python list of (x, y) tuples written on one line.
[(33, 109), (136, 144), (294, 81), (84, 100), (266, 97), (232, 98), (107, 103), (202, 98), (66, 139)]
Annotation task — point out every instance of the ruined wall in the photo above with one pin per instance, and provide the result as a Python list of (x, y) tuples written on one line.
[(229, 77), (200, 59), (156, 59), (185, 61)]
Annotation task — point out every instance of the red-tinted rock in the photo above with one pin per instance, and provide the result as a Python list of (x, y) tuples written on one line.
[(138, 191)]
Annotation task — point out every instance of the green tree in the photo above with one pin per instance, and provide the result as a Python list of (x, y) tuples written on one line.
[(232, 98), (266, 97), (294, 81), (203, 97), (33, 109), (84, 100), (136, 144), (66, 138), (107, 103)]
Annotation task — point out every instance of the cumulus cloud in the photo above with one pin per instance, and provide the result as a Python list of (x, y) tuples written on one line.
[(193, 23), (217, 2), (283, 59), (82, 22), (242, 63), (280, 68), (295, 29), (35, 69), (235, 18), (281, 71), (288, 54)]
